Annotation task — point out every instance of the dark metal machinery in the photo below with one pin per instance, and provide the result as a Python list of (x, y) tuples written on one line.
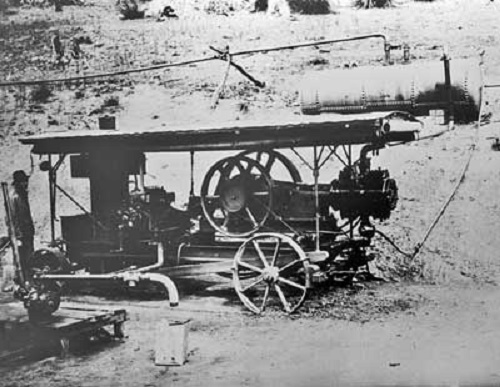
[(276, 235)]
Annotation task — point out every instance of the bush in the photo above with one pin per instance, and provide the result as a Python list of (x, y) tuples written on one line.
[(310, 7), (305, 7), (380, 3), (4, 4), (374, 3), (111, 101), (261, 5), (219, 7), (40, 93)]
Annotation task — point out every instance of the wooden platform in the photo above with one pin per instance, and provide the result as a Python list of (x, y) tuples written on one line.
[(18, 335)]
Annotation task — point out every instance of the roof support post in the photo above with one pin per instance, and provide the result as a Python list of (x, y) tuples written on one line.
[(316, 193), (448, 113), (52, 194), (52, 200)]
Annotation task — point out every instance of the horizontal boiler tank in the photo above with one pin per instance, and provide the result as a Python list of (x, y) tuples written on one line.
[(418, 88)]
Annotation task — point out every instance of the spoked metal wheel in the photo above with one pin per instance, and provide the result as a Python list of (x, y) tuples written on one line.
[(270, 269), (276, 164), (236, 196)]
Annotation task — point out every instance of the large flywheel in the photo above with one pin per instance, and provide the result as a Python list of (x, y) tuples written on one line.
[(236, 196), (275, 164)]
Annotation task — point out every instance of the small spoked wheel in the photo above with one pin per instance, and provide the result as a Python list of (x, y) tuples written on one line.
[(270, 269)]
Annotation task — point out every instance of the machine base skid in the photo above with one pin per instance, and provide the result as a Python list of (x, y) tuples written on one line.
[(20, 337)]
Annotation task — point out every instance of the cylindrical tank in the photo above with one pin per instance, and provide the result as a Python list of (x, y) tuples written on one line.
[(416, 88)]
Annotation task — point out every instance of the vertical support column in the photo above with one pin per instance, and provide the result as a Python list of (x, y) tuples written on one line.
[(316, 194), (118, 330), (406, 53), (141, 177), (482, 91), (351, 228), (52, 200), (64, 343), (12, 234), (387, 51), (161, 254), (448, 115), (191, 187)]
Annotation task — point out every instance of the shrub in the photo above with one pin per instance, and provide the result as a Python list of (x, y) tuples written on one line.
[(261, 5), (305, 7), (374, 3), (111, 101), (40, 93), (310, 7), (4, 4)]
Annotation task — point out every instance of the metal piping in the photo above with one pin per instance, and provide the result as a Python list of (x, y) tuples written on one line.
[(141, 177), (173, 294), (131, 278), (159, 263), (194, 61), (369, 148)]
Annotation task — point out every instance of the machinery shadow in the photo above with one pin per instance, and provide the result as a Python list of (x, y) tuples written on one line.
[(213, 286)]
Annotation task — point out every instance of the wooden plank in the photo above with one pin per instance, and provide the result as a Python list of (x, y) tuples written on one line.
[(69, 305), (10, 355), (54, 325), (81, 313), (69, 322)]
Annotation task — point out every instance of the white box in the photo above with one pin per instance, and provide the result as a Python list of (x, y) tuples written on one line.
[(171, 343)]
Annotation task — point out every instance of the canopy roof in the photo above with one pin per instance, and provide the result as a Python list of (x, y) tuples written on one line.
[(331, 129)]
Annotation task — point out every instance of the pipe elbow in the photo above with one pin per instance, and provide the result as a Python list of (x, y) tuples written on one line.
[(168, 284)]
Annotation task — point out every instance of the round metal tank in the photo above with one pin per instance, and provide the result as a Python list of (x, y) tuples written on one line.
[(416, 88)]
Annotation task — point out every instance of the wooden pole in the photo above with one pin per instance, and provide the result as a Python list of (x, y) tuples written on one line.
[(220, 89), (12, 233), (448, 113)]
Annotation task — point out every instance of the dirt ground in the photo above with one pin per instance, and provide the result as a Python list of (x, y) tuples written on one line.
[(434, 323)]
